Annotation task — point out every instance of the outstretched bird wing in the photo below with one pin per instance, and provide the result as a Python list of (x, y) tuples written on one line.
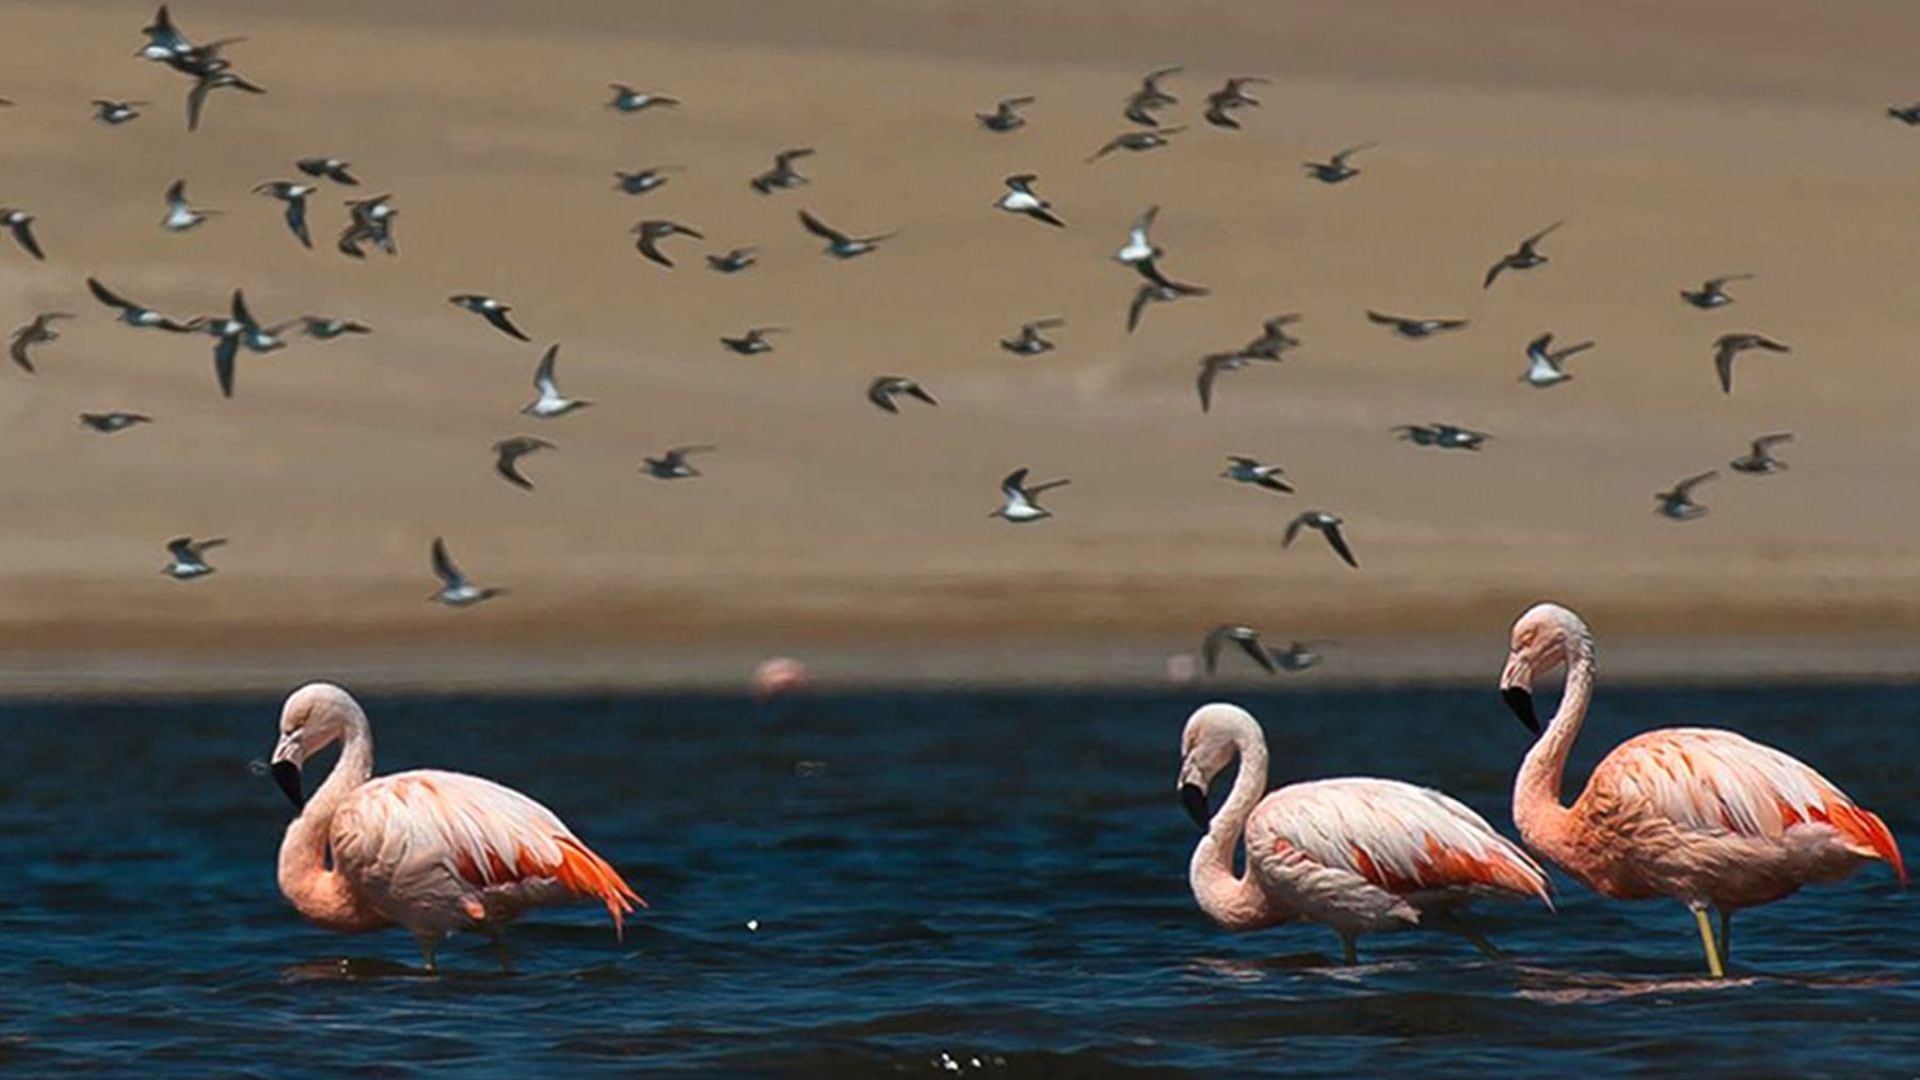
[(821, 229)]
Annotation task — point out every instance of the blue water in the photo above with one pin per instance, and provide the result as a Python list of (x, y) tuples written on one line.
[(988, 884)]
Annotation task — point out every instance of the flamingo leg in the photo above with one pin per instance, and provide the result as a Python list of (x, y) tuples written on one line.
[(500, 950), (1726, 936), (427, 946), (1714, 966), (1451, 922), (1351, 954)]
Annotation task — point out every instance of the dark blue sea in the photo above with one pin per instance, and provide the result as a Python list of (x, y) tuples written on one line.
[(980, 884)]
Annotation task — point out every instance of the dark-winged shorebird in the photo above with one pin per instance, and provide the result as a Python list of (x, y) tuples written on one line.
[(641, 181), (455, 589), (1328, 526), (1525, 257), (732, 262), (134, 315), (1222, 102), (783, 175), (1297, 656), (1678, 504), (1150, 293), (1445, 436), (1338, 168), (230, 332), (754, 341), (181, 216), (1212, 367), (328, 168), (1136, 141), (1029, 341), (108, 423), (369, 221), (189, 557), (294, 195), (507, 454), (551, 402), (1139, 247), (1150, 98), (20, 223), (491, 310), (1274, 339), (1021, 199), (1244, 638), (1728, 347), (326, 328), (1005, 115), (1020, 502), (1713, 292), (1546, 364), (885, 388), (207, 84), (672, 463), (840, 245), (38, 332), (114, 113), (256, 336), (1906, 114), (628, 100), (1759, 459), (652, 231), (1246, 470), (1414, 328)]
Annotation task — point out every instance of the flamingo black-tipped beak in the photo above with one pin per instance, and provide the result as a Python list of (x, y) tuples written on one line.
[(1194, 798), (287, 775), (1520, 700)]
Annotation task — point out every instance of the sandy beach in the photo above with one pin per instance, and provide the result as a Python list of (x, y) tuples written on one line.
[(1677, 141)]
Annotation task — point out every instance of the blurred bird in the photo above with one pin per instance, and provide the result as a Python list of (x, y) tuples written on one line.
[(324, 328), (1248, 470), (672, 463), (1728, 347), (1222, 102), (1328, 526), (1020, 503), (295, 196), (1021, 199), (1760, 460), (1274, 339), (207, 84), (455, 589), (134, 315), (1546, 362), (1211, 368), (230, 332), (369, 221), (551, 402), (1151, 293), (732, 262), (114, 113), (1444, 436), (180, 216), (327, 168), (1297, 656), (1412, 328), (107, 423), (651, 232), (1678, 504), (20, 223), (1524, 257), (1136, 142), (507, 454), (783, 175), (189, 556), (1906, 114), (491, 310), (885, 388), (628, 100), (256, 336), (1030, 342), (1245, 638), (1150, 98), (1005, 115), (1139, 248), (753, 341), (1712, 293), (37, 332), (642, 181), (1336, 169), (839, 244)]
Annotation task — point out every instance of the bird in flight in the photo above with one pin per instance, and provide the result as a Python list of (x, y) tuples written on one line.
[(1244, 638), (369, 221), (294, 195), (1030, 342), (1713, 292), (491, 310), (455, 590), (1136, 142), (1546, 363), (1021, 199), (189, 557), (1150, 98), (1524, 257), (732, 262), (326, 328), (840, 245), (37, 332), (1222, 102), (1274, 339), (884, 389), (20, 223), (641, 181), (1139, 248), (628, 100), (1412, 328), (1328, 526), (783, 175), (180, 216), (1337, 168), (754, 341), (1678, 504), (1212, 367), (1728, 347), (1906, 114), (1005, 115), (672, 463), (134, 315), (653, 231), (328, 168), (551, 402), (1151, 293), (1248, 470), (1759, 459), (108, 423), (1021, 503), (115, 113), (507, 454)]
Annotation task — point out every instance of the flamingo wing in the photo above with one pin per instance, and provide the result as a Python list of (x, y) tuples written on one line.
[(450, 826)]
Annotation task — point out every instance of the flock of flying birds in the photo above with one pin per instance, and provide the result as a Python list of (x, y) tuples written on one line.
[(369, 227)]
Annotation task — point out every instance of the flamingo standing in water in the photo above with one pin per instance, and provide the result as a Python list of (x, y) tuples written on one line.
[(1356, 854), (1708, 817), (433, 851)]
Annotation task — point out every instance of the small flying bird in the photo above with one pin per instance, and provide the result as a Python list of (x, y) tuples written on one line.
[(326, 328), (507, 454), (1150, 269), (167, 45), (1212, 367), (839, 244), (1005, 115), (653, 231), (1248, 470), (551, 402), (1021, 199), (753, 341), (1524, 257), (1297, 656), (328, 168), (37, 332), (1678, 504), (1412, 328), (1144, 102), (1906, 114), (229, 332), (1712, 293), (295, 196), (1136, 142), (255, 336), (1151, 293), (20, 223), (1337, 168), (491, 310), (455, 589), (1139, 248), (207, 84), (628, 100), (1030, 342), (732, 262), (1222, 102), (885, 388), (189, 557), (1245, 638), (115, 113), (369, 221), (643, 180), (180, 216), (1728, 347), (1546, 362), (1760, 460), (672, 464), (1444, 436), (1329, 527), (1020, 503), (107, 423), (1274, 339), (783, 175), (134, 315)]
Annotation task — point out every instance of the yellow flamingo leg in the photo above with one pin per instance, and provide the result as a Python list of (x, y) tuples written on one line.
[(1726, 936), (1706, 940)]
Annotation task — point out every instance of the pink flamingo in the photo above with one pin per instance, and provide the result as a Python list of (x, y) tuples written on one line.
[(1355, 854), (433, 851), (1708, 817)]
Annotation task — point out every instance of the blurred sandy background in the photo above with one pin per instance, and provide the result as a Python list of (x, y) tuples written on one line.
[(1680, 140)]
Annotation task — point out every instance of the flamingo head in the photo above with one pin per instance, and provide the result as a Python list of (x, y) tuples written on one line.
[(315, 717), (1544, 639), (1213, 737)]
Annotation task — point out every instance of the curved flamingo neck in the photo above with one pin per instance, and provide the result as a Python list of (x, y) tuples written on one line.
[(317, 891), (1235, 901), (1546, 823)]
